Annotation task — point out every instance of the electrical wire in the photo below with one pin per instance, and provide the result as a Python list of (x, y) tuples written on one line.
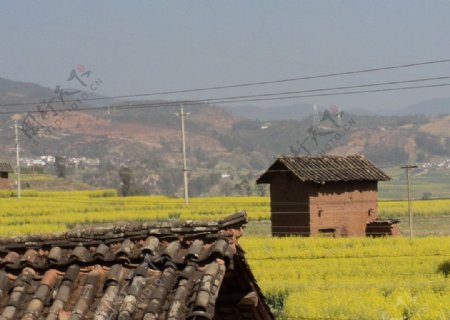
[(228, 100), (332, 88), (239, 85)]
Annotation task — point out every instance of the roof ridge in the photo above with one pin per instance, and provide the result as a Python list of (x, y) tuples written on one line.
[(113, 231), (322, 156)]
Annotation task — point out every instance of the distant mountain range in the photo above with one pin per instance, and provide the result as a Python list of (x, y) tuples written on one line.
[(300, 111), (236, 141), (289, 112), (431, 107), (17, 91)]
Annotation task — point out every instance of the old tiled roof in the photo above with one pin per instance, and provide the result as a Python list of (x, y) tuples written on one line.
[(326, 168), (5, 167), (190, 270)]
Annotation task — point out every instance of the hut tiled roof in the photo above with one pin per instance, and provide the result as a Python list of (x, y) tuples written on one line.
[(6, 167), (327, 168), (189, 270)]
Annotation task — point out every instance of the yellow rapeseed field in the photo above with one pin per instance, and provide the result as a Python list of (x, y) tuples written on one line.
[(358, 278), (58, 211), (397, 208), (303, 278), (50, 211)]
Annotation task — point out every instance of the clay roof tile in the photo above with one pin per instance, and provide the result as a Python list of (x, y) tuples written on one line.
[(133, 271)]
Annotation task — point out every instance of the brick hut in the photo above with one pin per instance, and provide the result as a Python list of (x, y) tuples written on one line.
[(5, 170), (190, 270), (331, 195)]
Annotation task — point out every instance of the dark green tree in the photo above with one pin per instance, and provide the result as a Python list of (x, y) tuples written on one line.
[(125, 178), (60, 166)]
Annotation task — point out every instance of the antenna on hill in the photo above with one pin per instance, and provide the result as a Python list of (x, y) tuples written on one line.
[(339, 117), (316, 116)]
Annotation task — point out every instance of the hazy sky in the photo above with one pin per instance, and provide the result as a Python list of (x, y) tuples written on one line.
[(147, 46)]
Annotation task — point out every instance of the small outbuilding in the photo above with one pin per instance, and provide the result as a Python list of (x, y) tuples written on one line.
[(5, 170), (330, 195)]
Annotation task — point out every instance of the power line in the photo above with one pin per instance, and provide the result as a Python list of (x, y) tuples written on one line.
[(248, 84), (339, 93), (270, 94), (225, 100), (336, 88), (234, 98)]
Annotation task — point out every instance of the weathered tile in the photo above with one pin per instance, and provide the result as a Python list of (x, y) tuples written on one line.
[(133, 271)]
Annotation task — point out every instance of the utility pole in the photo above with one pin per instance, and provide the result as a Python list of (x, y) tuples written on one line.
[(17, 159), (408, 181), (183, 138)]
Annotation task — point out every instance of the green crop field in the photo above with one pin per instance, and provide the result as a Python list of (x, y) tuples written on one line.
[(433, 182)]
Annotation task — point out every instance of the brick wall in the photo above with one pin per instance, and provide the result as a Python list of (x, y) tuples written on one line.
[(308, 208), (289, 205), (344, 206), (4, 183)]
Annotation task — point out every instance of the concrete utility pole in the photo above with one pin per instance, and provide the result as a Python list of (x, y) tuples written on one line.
[(408, 181), (17, 159), (183, 138)]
